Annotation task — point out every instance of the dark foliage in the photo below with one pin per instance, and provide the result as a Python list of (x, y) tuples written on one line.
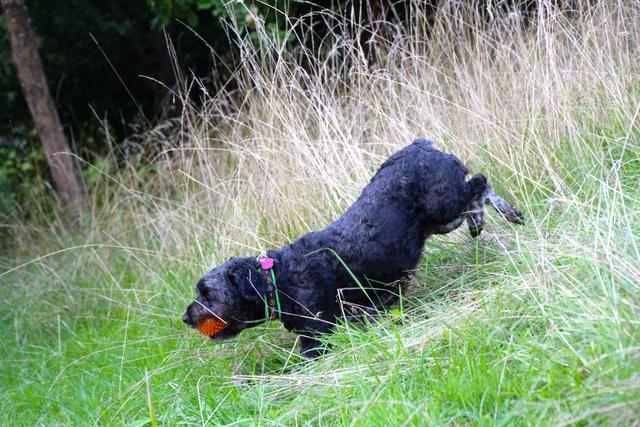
[(95, 53)]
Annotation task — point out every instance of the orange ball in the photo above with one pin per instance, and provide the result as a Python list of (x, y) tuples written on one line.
[(211, 326)]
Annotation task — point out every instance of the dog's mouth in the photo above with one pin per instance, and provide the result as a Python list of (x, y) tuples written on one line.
[(211, 326), (222, 327)]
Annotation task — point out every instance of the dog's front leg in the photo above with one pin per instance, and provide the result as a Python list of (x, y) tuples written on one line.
[(311, 347)]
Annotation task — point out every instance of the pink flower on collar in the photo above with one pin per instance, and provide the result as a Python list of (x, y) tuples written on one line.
[(266, 263)]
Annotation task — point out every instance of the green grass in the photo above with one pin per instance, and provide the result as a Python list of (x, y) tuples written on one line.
[(532, 325), (503, 340)]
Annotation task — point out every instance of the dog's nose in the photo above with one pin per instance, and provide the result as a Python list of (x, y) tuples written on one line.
[(185, 318)]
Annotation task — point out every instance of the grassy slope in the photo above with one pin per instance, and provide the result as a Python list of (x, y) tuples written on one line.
[(531, 325)]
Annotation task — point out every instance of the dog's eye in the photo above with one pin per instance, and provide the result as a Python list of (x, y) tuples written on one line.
[(202, 288)]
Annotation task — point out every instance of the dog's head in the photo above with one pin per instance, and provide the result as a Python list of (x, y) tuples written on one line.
[(229, 296)]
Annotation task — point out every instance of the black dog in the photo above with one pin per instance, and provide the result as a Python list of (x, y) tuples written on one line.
[(356, 263)]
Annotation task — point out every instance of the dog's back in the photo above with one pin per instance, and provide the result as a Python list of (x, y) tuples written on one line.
[(379, 239)]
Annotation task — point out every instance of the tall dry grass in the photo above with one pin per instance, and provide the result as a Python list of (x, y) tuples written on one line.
[(534, 105)]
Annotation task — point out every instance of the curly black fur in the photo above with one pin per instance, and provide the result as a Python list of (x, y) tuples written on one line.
[(417, 192)]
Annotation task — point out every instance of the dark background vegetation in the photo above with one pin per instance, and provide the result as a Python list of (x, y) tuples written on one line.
[(105, 59), (101, 58)]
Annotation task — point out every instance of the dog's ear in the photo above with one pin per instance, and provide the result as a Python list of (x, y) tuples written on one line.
[(249, 281)]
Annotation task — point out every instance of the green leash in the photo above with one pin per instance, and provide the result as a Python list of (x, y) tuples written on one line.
[(272, 308)]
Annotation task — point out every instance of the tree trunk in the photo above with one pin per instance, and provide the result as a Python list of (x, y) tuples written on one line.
[(34, 86)]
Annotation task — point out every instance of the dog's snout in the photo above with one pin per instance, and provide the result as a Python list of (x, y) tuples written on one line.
[(186, 319)]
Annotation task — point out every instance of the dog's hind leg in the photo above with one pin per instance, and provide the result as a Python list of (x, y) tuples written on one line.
[(507, 211), (474, 213), (474, 210), (480, 193), (475, 216)]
